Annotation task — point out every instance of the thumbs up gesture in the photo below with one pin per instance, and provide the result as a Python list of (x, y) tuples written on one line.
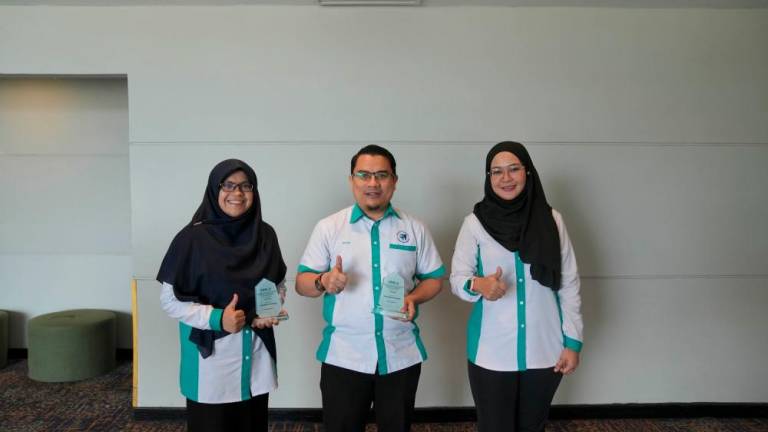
[(491, 287), (335, 280), (232, 320)]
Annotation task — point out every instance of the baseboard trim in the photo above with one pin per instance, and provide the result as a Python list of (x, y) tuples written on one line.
[(17, 353), (154, 414), (122, 354), (660, 410), (558, 412), (21, 353)]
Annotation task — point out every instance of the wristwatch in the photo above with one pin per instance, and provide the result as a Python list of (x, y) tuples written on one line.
[(319, 283)]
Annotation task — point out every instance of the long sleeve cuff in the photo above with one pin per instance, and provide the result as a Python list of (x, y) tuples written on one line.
[(215, 319), (572, 344), (467, 285)]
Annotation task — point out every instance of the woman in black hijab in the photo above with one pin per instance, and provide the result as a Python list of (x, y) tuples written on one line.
[(513, 259), (228, 354)]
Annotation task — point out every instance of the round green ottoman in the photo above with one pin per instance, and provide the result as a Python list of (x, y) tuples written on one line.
[(71, 345), (3, 338)]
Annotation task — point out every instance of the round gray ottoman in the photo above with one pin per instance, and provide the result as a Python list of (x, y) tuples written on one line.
[(3, 338), (71, 345)]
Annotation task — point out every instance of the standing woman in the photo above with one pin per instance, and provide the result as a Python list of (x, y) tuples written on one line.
[(514, 261), (228, 355)]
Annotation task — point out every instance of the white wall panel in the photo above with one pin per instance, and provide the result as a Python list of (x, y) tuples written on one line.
[(157, 343), (33, 121), (272, 73), (649, 127), (631, 210), (671, 340), (65, 204), (665, 234), (647, 341)]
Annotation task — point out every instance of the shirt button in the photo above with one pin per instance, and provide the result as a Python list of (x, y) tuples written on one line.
[(522, 325), (378, 333), (375, 242), (521, 302), (376, 288), (375, 265), (247, 357), (520, 280)]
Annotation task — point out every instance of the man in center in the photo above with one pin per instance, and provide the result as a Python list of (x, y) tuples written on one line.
[(368, 357)]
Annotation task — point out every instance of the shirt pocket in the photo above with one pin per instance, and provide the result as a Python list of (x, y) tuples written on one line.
[(400, 259), (404, 248)]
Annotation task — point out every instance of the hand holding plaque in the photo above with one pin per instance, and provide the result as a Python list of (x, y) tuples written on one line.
[(269, 303), (392, 298)]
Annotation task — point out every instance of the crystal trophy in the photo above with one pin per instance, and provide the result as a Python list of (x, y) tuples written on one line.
[(392, 297), (268, 304)]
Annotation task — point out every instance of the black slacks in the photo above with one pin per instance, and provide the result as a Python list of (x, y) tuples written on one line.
[(347, 397), (249, 415), (512, 401)]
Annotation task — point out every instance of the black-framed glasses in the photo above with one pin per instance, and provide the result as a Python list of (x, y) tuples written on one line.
[(230, 187), (378, 175)]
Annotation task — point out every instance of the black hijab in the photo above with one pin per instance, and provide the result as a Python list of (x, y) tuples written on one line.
[(216, 256), (524, 223)]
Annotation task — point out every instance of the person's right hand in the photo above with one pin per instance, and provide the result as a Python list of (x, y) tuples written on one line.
[(232, 320), (335, 280), (491, 287)]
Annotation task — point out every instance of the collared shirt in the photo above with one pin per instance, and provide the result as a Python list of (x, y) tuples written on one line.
[(354, 337), (528, 327), (240, 366)]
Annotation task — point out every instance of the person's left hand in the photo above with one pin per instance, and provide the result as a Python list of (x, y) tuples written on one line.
[(409, 309), (262, 323), (568, 362)]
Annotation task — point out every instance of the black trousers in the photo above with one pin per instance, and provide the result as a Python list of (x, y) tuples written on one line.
[(512, 401), (347, 397), (249, 415)]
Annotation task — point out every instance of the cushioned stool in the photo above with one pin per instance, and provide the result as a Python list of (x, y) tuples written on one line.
[(3, 338), (71, 345)]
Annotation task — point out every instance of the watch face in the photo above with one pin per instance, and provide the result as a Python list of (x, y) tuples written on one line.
[(319, 283)]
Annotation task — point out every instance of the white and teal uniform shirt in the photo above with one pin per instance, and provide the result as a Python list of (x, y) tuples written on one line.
[(240, 366), (355, 338), (528, 327)]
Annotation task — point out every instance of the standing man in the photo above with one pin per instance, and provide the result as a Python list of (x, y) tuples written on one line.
[(367, 357)]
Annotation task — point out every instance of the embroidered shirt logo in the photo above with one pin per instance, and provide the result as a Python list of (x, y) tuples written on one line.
[(402, 237)]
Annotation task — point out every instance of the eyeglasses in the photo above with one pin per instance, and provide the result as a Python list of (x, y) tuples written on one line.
[(230, 187), (512, 170), (379, 175)]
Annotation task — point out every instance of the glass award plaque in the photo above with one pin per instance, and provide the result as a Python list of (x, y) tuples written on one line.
[(392, 297), (268, 304)]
